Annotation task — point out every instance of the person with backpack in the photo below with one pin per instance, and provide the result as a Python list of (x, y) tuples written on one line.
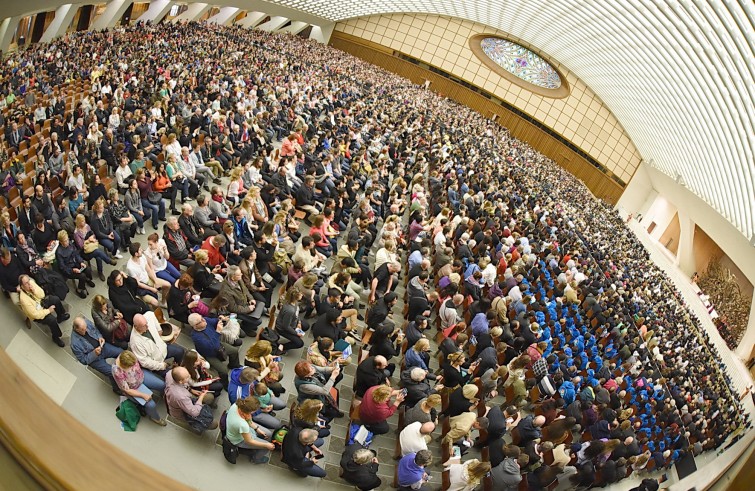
[(245, 434)]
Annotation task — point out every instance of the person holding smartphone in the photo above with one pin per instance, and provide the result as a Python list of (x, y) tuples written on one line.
[(244, 433), (376, 407)]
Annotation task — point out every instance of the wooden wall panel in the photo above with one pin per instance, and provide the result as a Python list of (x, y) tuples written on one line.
[(598, 182)]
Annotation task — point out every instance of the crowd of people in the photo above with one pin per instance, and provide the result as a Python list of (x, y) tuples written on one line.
[(560, 348)]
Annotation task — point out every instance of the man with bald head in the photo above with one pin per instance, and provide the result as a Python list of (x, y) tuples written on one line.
[(530, 428), (185, 404), (372, 371), (415, 437), (149, 347)]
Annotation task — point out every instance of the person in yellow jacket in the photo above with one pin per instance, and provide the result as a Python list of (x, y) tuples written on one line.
[(44, 309)]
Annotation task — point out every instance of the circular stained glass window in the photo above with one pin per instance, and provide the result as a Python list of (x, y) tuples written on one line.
[(521, 62), (520, 65)]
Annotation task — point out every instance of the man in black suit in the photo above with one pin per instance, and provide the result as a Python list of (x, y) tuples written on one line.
[(106, 149), (16, 135), (26, 213)]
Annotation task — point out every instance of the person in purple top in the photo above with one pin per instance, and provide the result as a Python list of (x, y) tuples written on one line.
[(411, 470)]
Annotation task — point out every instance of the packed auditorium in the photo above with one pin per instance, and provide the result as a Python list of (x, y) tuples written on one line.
[(377, 245)]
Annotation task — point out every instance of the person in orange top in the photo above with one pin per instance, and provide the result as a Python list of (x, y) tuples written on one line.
[(212, 245), (163, 185)]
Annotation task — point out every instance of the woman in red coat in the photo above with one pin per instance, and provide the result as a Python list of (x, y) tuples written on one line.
[(376, 407)]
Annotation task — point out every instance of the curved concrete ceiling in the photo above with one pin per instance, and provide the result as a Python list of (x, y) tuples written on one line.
[(678, 74)]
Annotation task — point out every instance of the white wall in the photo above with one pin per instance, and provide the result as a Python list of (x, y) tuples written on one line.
[(667, 197), (661, 212)]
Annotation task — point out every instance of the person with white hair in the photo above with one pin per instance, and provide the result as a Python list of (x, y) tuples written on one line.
[(360, 467), (150, 348)]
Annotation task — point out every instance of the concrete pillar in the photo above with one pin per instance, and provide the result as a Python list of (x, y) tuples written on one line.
[(156, 11), (194, 12), (321, 34), (225, 16), (748, 340), (7, 30), (685, 254), (295, 28), (59, 25), (111, 15), (252, 19), (273, 24)]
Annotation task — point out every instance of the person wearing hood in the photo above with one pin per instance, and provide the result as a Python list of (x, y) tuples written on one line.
[(568, 392), (240, 383), (386, 341), (360, 467), (418, 281), (600, 430), (507, 475), (187, 404)]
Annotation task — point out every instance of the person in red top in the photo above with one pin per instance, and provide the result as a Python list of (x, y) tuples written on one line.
[(212, 245), (326, 244), (290, 146), (376, 408), (535, 350)]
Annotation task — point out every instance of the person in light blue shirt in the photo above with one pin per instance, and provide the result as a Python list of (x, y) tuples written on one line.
[(244, 433), (415, 258)]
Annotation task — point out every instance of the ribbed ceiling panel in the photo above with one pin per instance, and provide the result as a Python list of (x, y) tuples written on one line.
[(678, 74)]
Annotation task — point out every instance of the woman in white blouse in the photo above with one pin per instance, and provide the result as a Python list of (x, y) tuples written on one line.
[(489, 271), (172, 147), (114, 121), (157, 254), (386, 254), (94, 135), (466, 476), (40, 114)]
